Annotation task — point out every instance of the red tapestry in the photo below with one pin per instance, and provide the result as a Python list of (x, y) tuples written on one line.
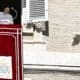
[(10, 52)]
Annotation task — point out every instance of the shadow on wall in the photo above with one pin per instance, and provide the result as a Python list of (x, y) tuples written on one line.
[(76, 40)]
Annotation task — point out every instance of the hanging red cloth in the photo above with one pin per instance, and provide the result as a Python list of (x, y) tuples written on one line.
[(10, 52)]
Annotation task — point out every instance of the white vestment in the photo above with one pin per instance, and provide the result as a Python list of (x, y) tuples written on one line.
[(5, 18)]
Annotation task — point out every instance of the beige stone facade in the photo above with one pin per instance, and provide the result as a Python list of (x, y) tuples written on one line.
[(64, 25)]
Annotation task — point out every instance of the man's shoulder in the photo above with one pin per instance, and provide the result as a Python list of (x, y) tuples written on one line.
[(9, 15), (1, 13)]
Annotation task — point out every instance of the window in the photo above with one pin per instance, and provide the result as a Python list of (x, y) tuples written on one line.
[(35, 10)]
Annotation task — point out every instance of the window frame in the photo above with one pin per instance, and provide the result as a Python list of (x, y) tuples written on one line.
[(26, 13)]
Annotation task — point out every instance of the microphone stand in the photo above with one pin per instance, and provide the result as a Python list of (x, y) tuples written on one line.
[(15, 14)]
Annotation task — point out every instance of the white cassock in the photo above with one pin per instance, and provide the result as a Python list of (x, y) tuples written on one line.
[(6, 18)]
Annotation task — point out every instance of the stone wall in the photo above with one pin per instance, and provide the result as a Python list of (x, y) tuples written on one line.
[(64, 25)]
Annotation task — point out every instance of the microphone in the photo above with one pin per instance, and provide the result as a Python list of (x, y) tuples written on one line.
[(12, 8)]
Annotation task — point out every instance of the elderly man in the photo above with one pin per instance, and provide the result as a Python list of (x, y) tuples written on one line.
[(6, 17)]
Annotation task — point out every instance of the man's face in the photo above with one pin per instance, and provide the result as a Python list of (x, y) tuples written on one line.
[(6, 10)]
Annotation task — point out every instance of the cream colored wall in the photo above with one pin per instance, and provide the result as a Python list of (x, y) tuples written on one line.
[(64, 24)]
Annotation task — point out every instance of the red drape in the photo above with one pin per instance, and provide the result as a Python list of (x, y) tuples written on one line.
[(11, 45)]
